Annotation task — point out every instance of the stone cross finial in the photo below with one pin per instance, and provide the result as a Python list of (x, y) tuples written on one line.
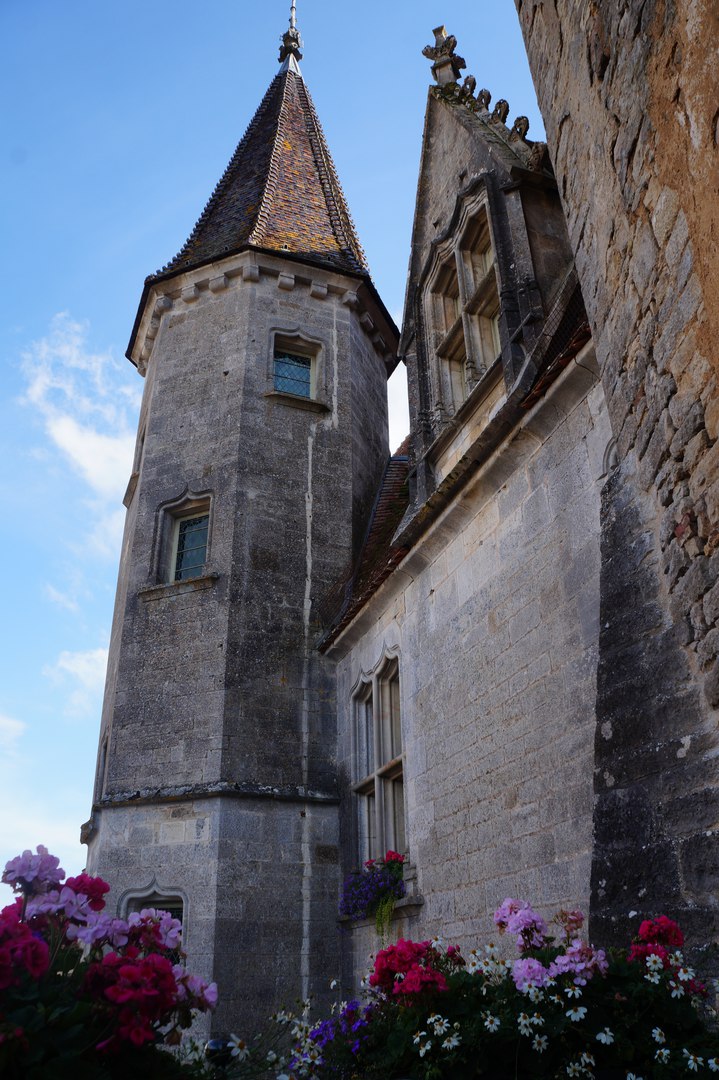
[(446, 66), (291, 41)]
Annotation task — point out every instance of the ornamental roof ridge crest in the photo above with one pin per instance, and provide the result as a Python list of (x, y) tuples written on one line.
[(328, 175), (262, 220)]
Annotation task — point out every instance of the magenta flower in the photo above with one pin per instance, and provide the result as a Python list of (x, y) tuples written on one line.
[(570, 921)]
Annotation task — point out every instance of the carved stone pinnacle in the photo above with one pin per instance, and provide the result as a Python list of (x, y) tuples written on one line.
[(447, 65)]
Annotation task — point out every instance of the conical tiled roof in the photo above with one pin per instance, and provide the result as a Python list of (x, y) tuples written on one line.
[(280, 190)]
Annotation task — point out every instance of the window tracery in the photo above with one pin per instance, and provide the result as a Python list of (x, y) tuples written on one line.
[(463, 311)]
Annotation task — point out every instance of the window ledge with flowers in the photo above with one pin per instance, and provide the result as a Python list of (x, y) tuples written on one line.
[(384, 889)]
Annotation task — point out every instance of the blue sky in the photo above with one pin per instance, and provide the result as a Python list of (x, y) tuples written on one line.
[(119, 119)]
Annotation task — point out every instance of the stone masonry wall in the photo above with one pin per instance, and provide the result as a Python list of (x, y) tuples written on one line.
[(628, 91), (495, 614)]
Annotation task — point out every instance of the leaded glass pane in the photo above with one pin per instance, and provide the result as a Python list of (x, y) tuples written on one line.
[(191, 547), (293, 374), (395, 720), (371, 826), (365, 738), (399, 837)]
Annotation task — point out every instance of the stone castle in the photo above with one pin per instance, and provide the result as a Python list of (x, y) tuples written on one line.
[(495, 649)]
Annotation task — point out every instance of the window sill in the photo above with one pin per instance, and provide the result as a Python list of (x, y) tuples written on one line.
[(408, 905), (294, 400), (177, 588)]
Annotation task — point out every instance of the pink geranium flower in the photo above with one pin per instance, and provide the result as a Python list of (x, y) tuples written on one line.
[(528, 972), (517, 917), (33, 874)]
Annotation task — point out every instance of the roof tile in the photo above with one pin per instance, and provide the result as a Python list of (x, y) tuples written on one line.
[(280, 190)]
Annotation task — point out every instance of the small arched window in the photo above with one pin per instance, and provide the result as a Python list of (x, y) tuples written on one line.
[(173, 904), (185, 528)]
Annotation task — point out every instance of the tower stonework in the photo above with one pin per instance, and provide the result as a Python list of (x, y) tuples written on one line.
[(261, 444)]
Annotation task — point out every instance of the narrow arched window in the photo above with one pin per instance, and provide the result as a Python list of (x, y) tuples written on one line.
[(378, 765)]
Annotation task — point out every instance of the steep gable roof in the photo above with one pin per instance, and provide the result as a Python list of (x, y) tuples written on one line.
[(280, 190), (461, 129)]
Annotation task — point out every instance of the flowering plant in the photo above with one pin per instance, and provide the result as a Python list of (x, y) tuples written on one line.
[(84, 994), (374, 890), (562, 1008)]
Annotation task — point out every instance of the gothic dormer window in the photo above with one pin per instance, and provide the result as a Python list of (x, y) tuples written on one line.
[(476, 257), (463, 310), (189, 546), (183, 538)]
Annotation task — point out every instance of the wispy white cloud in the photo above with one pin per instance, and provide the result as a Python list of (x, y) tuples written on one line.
[(87, 402), (63, 600), (83, 674), (102, 460), (11, 731), (105, 536)]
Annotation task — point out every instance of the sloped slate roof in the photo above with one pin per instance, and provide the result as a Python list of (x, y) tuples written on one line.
[(280, 190), (379, 555)]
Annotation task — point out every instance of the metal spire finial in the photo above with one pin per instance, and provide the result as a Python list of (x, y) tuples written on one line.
[(291, 44)]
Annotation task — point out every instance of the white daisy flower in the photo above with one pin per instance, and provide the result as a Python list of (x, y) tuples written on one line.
[(524, 1024), (491, 1022), (238, 1048), (578, 1013)]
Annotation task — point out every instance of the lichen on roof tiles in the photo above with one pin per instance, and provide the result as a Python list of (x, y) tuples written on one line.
[(279, 191)]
